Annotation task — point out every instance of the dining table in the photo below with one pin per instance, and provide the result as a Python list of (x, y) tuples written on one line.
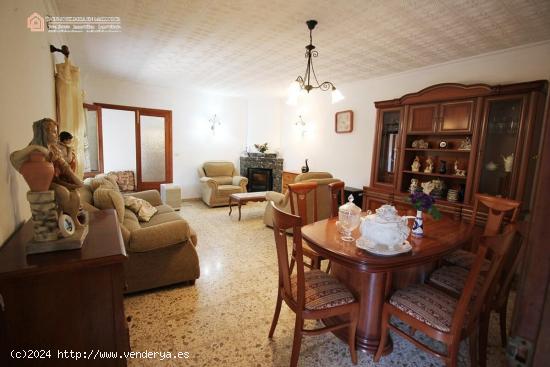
[(369, 276)]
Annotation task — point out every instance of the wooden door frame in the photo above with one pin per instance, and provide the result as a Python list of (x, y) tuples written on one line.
[(530, 320), (138, 111)]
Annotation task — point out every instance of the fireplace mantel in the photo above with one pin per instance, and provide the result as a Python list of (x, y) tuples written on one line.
[(267, 161)]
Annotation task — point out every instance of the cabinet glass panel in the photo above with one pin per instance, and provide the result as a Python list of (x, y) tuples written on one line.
[(387, 155), (500, 147)]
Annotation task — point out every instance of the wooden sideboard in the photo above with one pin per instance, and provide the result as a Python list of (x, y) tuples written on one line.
[(288, 178), (66, 300), (499, 121)]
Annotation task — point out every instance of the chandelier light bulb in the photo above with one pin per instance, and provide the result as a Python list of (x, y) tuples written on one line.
[(337, 96)]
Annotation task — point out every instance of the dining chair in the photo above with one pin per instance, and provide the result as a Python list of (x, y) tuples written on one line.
[(311, 295), (453, 278), (336, 192), (497, 209), (441, 316), (300, 193)]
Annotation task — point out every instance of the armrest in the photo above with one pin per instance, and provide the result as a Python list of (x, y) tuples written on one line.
[(152, 196), (240, 181), (276, 197), (159, 236), (210, 182)]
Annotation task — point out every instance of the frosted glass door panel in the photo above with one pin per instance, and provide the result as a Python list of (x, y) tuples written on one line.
[(91, 146), (119, 140), (153, 167)]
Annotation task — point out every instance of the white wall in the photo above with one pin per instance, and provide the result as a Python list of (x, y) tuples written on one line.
[(27, 94), (264, 121), (119, 140), (193, 141), (349, 156)]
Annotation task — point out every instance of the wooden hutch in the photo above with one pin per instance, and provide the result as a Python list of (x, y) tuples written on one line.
[(499, 121)]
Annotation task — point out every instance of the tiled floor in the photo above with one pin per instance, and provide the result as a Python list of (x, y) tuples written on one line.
[(224, 319)]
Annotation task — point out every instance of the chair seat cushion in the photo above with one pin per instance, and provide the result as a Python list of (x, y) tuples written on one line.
[(465, 259), (322, 291), (453, 278), (227, 190), (426, 304)]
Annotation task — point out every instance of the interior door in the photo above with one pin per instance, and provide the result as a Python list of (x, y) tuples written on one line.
[(153, 148)]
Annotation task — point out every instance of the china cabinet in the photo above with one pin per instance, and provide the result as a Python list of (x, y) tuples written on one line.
[(467, 138)]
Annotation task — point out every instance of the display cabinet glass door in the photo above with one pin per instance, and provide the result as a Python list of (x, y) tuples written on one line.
[(500, 151), (387, 153)]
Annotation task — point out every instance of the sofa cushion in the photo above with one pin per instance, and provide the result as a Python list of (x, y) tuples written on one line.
[(226, 190), (124, 179), (223, 180), (86, 193), (110, 199), (161, 218), (164, 209), (131, 221), (214, 169), (152, 237), (140, 207), (105, 181)]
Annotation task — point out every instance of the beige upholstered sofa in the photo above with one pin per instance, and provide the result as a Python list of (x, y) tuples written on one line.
[(282, 201), (160, 252), (218, 181)]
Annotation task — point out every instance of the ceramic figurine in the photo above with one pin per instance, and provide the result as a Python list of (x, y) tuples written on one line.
[(491, 166), (427, 187), (414, 185), (416, 165), (465, 144), (305, 168), (508, 162), (429, 165), (459, 172)]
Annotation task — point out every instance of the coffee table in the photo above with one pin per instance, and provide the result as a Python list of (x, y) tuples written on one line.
[(244, 197)]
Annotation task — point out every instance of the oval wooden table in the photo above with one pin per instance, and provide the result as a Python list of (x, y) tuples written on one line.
[(369, 275)]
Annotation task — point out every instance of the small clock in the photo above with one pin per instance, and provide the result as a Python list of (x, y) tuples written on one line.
[(443, 144)]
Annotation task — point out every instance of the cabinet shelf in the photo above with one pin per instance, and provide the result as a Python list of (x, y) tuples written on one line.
[(438, 150), (436, 175), (439, 133)]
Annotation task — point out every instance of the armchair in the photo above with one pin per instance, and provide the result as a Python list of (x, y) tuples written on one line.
[(218, 181), (324, 198)]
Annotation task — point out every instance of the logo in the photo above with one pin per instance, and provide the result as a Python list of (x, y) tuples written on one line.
[(35, 22)]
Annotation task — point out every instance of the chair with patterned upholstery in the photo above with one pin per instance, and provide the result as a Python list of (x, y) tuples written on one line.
[(497, 210), (441, 316), (452, 279), (312, 295), (219, 180), (303, 196)]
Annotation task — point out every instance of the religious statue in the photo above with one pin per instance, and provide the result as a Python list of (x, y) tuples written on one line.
[(416, 164), (429, 165), (414, 185), (508, 162)]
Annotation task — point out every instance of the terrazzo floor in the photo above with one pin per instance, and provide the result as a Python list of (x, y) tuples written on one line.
[(224, 319)]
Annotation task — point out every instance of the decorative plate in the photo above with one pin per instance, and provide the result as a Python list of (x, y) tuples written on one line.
[(383, 250)]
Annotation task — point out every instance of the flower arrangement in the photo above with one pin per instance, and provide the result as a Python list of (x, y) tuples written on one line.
[(262, 148), (424, 202)]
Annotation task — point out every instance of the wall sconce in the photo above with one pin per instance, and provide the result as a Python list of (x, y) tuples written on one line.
[(301, 123), (213, 121)]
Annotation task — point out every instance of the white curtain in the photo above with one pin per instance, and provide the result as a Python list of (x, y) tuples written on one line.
[(70, 110)]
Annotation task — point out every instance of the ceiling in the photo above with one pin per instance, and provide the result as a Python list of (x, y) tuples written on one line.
[(235, 46)]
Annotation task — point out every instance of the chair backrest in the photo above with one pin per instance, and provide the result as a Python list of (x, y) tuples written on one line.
[(281, 223), (497, 209), (218, 168), (300, 193), (336, 190), (311, 176), (494, 248)]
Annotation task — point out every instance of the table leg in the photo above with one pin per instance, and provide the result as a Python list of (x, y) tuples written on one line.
[(230, 207), (371, 289), (240, 203)]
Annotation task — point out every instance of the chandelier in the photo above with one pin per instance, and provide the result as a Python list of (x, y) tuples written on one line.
[(306, 83)]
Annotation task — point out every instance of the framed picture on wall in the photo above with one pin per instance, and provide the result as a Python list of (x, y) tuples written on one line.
[(343, 122)]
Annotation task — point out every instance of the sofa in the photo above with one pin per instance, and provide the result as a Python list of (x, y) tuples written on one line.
[(324, 200), (161, 251), (219, 180)]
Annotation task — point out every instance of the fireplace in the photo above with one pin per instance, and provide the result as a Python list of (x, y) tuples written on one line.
[(260, 179), (265, 162)]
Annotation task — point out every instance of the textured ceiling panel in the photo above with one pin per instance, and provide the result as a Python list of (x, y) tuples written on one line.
[(241, 45)]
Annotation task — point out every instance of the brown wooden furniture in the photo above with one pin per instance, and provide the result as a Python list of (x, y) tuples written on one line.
[(441, 316), (369, 276), (337, 196), (299, 193), (245, 197), (498, 121), (67, 300), (288, 178), (311, 295)]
